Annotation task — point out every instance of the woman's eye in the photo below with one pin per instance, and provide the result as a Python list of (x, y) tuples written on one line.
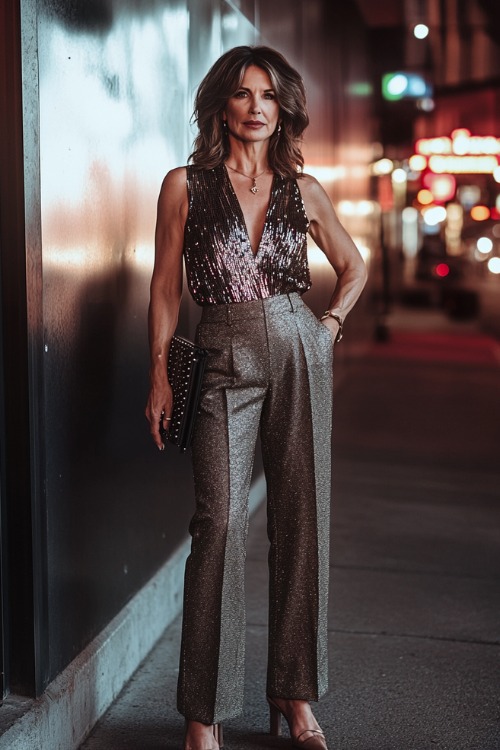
[(269, 95), (240, 94)]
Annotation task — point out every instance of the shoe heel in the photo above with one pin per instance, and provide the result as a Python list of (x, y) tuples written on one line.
[(274, 721), (219, 737)]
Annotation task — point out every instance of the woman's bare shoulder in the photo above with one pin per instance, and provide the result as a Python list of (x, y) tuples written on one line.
[(309, 185), (175, 179), (314, 195), (173, 193)]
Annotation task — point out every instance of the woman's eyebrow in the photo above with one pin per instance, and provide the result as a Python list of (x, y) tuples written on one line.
[(266, 91)]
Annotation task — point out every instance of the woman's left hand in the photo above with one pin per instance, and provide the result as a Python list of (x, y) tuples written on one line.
[(332, 325)]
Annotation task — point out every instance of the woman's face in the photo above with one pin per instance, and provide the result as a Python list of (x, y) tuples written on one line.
[(252, 113)]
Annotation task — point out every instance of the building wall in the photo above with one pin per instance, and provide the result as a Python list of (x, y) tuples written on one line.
[(464, 50), (112, 85)]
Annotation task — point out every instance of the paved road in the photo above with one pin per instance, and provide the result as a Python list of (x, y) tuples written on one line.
[(415, 592)]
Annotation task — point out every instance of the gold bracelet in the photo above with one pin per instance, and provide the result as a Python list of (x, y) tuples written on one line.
[(340, 321)]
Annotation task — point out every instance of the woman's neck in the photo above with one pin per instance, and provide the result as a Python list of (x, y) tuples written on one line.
[(250, 158)]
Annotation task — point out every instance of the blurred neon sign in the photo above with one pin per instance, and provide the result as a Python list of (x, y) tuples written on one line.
[(463, 164), (461, 143), (462, 153)]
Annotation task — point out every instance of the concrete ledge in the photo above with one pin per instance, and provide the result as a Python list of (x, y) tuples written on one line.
[(72, 704), (63, 716)]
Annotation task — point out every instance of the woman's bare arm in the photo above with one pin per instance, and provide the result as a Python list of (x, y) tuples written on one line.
[(329, 234), (166, 291)]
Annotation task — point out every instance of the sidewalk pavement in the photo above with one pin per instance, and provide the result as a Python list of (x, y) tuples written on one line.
[(415, 569)]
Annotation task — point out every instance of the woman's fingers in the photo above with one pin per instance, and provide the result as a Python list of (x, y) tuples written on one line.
[(159, 417), (154, 428)]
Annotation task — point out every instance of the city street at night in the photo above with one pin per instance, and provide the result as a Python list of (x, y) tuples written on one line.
[(415, 603), (200, 200)]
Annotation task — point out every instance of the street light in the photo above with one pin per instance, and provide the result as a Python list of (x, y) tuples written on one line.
[(421, 31)]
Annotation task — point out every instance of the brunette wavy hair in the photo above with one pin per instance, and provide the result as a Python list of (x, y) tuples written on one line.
[(211, 145)]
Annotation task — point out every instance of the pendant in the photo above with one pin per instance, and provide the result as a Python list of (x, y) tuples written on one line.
[(254, 189)]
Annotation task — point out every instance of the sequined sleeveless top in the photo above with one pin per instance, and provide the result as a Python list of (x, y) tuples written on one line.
[(221, 266)]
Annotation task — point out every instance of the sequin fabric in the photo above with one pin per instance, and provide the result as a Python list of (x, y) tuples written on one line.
[(269, 369), (221, 266)]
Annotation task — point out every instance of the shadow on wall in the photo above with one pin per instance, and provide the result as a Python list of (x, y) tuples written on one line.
[(110, 492), (82, 15), (96, 15)]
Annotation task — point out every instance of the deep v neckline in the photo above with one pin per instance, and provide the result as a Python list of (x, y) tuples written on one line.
[(239, 210)]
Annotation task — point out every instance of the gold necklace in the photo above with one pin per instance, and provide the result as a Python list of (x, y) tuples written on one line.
[(254, 189)]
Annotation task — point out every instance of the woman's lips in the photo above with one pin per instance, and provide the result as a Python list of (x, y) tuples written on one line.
[(253, 124)]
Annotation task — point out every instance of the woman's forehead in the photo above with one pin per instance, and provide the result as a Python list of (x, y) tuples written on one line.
[(255, 76)]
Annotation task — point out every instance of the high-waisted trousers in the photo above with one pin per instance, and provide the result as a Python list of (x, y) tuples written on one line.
[(269, 368)]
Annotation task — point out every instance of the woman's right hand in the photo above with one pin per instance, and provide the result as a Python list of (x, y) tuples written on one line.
[(159, 408)]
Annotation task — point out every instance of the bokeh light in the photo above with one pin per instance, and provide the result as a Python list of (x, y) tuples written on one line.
[(425, 197), (382, 166), (435, 215), (442, 270), (399, 176), (417, 162), (494, 265), (421, 31), (442, 186), (480, 213), (484, 245)]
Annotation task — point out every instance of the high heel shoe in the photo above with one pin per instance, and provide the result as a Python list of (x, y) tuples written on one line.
[(316, 741), (219, 738)]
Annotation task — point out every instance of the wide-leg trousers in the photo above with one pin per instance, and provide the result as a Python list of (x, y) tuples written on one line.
[(269, 369)]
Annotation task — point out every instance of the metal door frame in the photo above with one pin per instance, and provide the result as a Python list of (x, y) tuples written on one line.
[(23, 519)]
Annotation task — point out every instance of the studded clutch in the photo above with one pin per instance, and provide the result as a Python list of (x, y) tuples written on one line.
[(186, 364)]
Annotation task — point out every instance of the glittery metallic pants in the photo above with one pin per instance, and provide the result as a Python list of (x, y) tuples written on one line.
[(269, 368)]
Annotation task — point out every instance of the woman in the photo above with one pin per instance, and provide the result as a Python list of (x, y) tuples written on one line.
[(239, 214)]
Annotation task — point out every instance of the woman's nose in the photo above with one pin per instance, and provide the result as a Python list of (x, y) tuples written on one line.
[(254, 106)]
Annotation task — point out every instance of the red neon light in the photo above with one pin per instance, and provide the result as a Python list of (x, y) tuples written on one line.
[(442, 270), (442, 186)]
